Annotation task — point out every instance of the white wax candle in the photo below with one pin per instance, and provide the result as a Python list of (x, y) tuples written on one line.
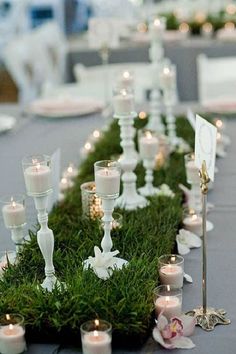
[(193, 223), (38, 179), (107, 182), (12, 340), (126, 80), (148, 146), (96, 342), (192, 172), (170, 305), (13, 214), (167, 79), (123, 103), (156, 29), (171, 274)]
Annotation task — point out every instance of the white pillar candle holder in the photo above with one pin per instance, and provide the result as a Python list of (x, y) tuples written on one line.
[(148, 149), (37, 174), (107, 182), (12, 334), (156, 54), (13, 212), (124, 112)]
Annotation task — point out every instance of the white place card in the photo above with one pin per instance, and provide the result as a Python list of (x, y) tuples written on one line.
[(191, 118), (205, 145)]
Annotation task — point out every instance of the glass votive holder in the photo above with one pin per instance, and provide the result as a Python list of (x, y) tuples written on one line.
[(123, 101), (12, 334), (107, 179), (125, 79), (91, 203), (171, 270), (13, 211), (96, 337), (116, 223), (192, 172), (168, 301), (192, 221), (148, 144), (37, 174)]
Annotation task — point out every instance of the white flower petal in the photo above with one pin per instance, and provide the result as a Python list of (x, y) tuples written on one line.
[(162, 322), (183, 343), (190, 238), (182, 248), (189, 323), (188, 278), (158, 338)]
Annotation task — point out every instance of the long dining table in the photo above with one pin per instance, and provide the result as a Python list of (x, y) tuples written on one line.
[(40, 135)]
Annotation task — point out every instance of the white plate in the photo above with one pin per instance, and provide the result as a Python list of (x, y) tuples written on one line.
[(6, 123), (65, 107)]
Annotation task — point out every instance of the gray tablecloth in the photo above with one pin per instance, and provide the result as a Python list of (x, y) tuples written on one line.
[(40, 135), (183, 53)]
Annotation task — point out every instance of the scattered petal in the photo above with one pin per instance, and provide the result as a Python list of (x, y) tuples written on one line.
[(182, 249), (159, 339), (162, 322), (188, 278), (183, 343), (189, 323)]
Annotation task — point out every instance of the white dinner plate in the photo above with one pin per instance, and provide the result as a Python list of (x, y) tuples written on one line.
[(6, 123), (60, 107)]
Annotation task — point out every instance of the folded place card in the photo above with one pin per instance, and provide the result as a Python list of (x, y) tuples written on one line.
[(205, 145)]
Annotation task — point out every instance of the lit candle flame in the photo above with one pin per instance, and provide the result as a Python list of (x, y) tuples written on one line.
[(142, 115), (167, 298), (194, 217), (184, 27), (168, 288), (88, 146), (37, 167), (166, 71), (64, 180), (95, 333), (157, 22), (207, 27), (172, 258), (11, 327), (8, 317), (96, 323), (148, 135), (126, 75), (219, 123)]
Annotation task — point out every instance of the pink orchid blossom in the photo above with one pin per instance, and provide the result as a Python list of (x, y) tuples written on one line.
[(173, 334)]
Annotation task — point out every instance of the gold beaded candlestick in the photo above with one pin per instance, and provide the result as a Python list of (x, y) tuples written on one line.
[(206, 317)]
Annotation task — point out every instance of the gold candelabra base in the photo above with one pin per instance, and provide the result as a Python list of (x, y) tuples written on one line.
[(209, 318)]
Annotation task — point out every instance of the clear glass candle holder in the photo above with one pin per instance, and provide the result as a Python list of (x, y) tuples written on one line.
[(171, 270), (13, 211), (192, 221), (12, 334), (192, 172), (37, 174), (107, 179), (123, 101), (96, 337), (168, 301), (148, 144), (91, 203)]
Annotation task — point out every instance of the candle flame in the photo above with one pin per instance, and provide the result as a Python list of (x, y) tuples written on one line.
[(219, 123), (37, 166), (166, 71), (8, 317), (64, 180), (167, 298), (95, 333), (88, 146), (70, 169), (184, 27), (11, 327), (172, 258), (148, 134), (157, 22), (96, 134), (124, 93), (126, 75), (142, 115), (194, 217), (13, 204), (168, 288), (207, 27), (96, 323)]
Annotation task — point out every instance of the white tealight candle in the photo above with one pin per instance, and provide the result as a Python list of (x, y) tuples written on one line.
[(13, 214), (126, 80), (170, 306), (12, 340), (167, 79), (193, 223), (171, 274), (123, 103), (38, 178), (148, 146), (192, 172), (96, 342), (107, 182), (156, 29)]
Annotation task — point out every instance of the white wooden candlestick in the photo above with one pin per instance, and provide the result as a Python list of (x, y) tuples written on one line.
[(107, 207), (148, 190), (130, 199), (156, 54), (45, 240)]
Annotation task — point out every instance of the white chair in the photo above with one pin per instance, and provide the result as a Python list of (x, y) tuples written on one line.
[(20, 59), (92, 80), (52, 43), (216, 79)]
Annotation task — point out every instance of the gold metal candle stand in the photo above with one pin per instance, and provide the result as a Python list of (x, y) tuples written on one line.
[(206, 317)]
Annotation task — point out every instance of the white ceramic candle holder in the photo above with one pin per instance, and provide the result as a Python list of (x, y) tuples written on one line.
[(156, 55), (13, 212), (148, 148), (107, 181), (37, 174)]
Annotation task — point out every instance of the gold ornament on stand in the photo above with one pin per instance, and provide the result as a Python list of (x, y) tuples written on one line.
[(206, 317)]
